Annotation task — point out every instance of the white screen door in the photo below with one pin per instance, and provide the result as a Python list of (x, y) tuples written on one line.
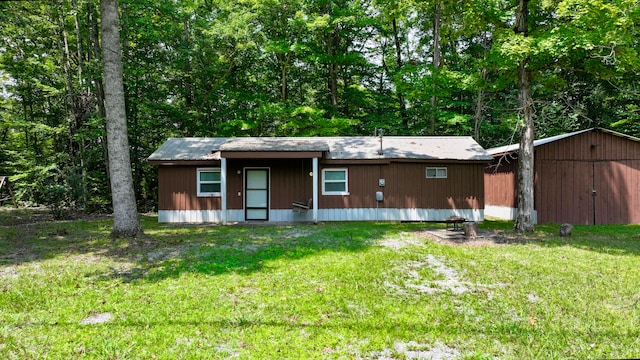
[(257, 194)]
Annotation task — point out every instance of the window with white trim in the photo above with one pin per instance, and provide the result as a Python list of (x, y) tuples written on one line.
[(335, 182), (436, 173), (209, 182)]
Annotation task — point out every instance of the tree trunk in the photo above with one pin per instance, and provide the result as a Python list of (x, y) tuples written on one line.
[(283, 60), (188, 72), (334, 41), (477, 117), (524, 220), (437, 19), (125, 213), (403, 106), (94, 51)]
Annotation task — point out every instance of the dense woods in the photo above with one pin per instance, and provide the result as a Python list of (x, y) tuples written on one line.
[(301, 68)]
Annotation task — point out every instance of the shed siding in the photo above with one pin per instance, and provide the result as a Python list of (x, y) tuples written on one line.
[(617, 196), (500, 183), (606, 147), (568, 171), (563, 191)]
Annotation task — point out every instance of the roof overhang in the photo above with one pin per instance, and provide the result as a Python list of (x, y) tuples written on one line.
[(185, 162), (270, 154)]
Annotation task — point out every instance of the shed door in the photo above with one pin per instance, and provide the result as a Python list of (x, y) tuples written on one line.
[(565, 192), (615, 193), (257, 194)]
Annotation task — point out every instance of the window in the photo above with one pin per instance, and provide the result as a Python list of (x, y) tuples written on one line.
[(436, 173), (209, 182), (335, 182)]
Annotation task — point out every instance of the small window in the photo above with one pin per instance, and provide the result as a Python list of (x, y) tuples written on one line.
[(436, 173), (209, 183), (335, 182)]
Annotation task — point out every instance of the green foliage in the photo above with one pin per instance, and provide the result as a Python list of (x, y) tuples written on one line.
[(304, 68)]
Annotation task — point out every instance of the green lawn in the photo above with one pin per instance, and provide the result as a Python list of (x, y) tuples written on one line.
[(328, 291)]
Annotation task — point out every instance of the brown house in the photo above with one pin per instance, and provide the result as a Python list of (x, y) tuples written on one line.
[(585, 177), (320, 179)]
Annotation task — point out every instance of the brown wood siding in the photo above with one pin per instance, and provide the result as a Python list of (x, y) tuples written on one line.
[(500, 183), (406, 186), (289, 181), (563, 191), (568, 171), (177, 189), (590, 146), (617, 185)]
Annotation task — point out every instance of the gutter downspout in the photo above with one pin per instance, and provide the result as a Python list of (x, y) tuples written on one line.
[(223, 189), (315, 189)]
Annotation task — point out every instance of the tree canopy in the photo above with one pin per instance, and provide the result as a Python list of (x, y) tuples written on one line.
[(299, 68)]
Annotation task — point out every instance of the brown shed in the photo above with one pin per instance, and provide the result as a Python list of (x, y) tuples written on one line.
[(585, 177), (320, 179)]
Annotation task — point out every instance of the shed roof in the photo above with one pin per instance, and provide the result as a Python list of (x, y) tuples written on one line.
[(342, 148), (515, 147)]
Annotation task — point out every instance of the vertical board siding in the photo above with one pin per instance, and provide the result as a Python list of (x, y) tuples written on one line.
[(566, 173), (289, 180), (500, 183), (406, 190), (177, 186), (406, 187), (618, 194), (563, 193)]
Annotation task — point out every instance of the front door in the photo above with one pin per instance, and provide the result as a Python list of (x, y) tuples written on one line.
[(256, 194)]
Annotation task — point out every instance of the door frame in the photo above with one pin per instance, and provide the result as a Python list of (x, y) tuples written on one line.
[(268, 190)]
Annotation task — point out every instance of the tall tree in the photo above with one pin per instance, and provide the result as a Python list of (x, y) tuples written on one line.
[(524, 221), (125, 212)]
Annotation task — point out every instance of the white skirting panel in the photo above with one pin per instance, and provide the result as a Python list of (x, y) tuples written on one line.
[(373, 214), (198, 216), (370, 214), (505, 213)]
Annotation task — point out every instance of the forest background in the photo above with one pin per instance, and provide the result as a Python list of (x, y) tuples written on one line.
[(298, 68)]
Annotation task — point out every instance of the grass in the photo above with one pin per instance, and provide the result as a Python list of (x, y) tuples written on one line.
[(329, 291)]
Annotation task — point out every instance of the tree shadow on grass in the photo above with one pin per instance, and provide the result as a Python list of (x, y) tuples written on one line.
[(606, 239), (239, 249), (167, 251)]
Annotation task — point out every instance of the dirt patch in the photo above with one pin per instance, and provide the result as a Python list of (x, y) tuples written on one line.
[(98, 318), (403, 240), (484, 238), (409, 278), (431, 276), (415, 350)]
